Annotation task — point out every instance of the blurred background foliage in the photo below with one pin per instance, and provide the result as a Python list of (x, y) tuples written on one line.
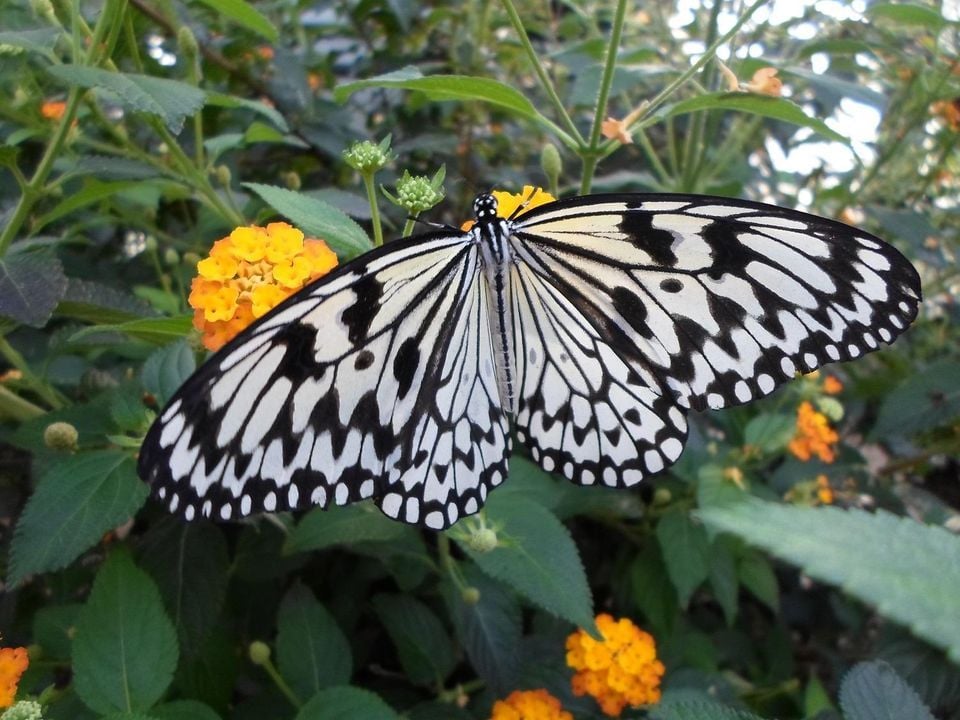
[(778, 580)]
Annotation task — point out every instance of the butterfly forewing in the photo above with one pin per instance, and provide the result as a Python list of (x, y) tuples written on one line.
[(376, 382), (725, 299)]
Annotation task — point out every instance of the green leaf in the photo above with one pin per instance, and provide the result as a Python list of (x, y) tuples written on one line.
[(261, 108), (166, 369), (446, 87), (154, 330), (316, 218), (653, 592), (312, 651), (346, 524), (31, 284), (172, 101), (910, 571), (924, 401), (770, 432), (38, 40), (126, 407), (125, 649), (723, 576), (77, 500), (190, 563), (686, 552), (96, 303), (691, 710), (757, 575), (762, 105), (53, 627), (537, 557), (183, 710), (907, 14), (93, 191), (874, 691), (243, 13), (490, 630), (422, 643), (346, 703)]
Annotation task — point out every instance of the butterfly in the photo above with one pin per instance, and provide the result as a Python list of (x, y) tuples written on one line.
[(585, 329)]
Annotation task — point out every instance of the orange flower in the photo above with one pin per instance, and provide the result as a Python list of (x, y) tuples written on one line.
[(13, 663), (814, 435), (507, 203), (832, 386), (53, 109), (620, 670), (614, 129), (948, 111), (529, 705), (249, 273), (824, 491)]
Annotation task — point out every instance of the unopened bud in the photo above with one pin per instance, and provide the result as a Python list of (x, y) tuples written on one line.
[(470, 595), (60, 436), (483, 540), (259, 652)]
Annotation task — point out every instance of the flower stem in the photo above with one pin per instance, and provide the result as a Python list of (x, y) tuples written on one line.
[(281, 684), (374, 208)]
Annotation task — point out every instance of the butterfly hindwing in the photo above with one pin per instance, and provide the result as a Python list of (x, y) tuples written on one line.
[(726, 299), (375, 382)]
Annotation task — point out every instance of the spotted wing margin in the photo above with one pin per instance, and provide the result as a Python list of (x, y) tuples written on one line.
[(724, 299), (377, 381)]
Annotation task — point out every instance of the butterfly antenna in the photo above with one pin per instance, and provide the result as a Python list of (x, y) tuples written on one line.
[(524, 202), (431, 224)]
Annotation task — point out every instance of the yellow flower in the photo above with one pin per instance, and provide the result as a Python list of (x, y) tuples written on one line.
[(529, 705), (824, 491), (249, 273), (507, 203), (620, 670), (814, 435), (13, 663)]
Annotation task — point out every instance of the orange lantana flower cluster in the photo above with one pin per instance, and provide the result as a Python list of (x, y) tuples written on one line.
[(13, 663), (529, 705), (814, 435), (249, 273), (507, 203), (620, 670)]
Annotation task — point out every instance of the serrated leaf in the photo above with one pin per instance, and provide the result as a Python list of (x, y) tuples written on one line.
[(39, 40), (171, 100), (686, 552), (422, 643), (446, 87), (77, 500), (770, 432), (537, 557), (126, 407), (652, 590), (316, 218), (243, 13), (874, 691), (93, 191), (774, 108), (346, 703), (125, 648), (490, 630), (723, 576), (97, 303), (106, 167), (31, 284), (166, 369), (312, 651), (692, 710), (756, 574), (346, 524), (925, 400), (189, 562), (909, 571)]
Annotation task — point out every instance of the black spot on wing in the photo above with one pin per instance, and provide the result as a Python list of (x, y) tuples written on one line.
[(654, 242), (364, 360), (360, 315), (405, 365)]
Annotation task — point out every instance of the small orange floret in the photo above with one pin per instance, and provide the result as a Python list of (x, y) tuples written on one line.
[(948, 111), (529, 705), (13, 663), (765, 82), (814, 435), (832, 386), (620, 670), (825, 494), (249, 273), (53, 109)]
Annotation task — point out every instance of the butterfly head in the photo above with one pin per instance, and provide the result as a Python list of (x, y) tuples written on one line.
[(485, 207)]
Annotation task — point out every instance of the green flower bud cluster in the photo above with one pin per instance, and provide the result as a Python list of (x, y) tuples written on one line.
[(367, 156), (23, 710), (416, 193)]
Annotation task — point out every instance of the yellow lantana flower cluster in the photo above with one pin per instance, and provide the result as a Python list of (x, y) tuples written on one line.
[(250, 272), (13, 663), (529, 705), (507, 203), (620, 670), (814, 435)]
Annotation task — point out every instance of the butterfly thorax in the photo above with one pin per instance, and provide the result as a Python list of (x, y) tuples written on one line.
[(492, 234)]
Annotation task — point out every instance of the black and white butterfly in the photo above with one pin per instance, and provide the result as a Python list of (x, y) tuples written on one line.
[(590, 326)]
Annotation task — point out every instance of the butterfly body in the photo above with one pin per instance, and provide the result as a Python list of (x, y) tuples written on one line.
[(590, 326)]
